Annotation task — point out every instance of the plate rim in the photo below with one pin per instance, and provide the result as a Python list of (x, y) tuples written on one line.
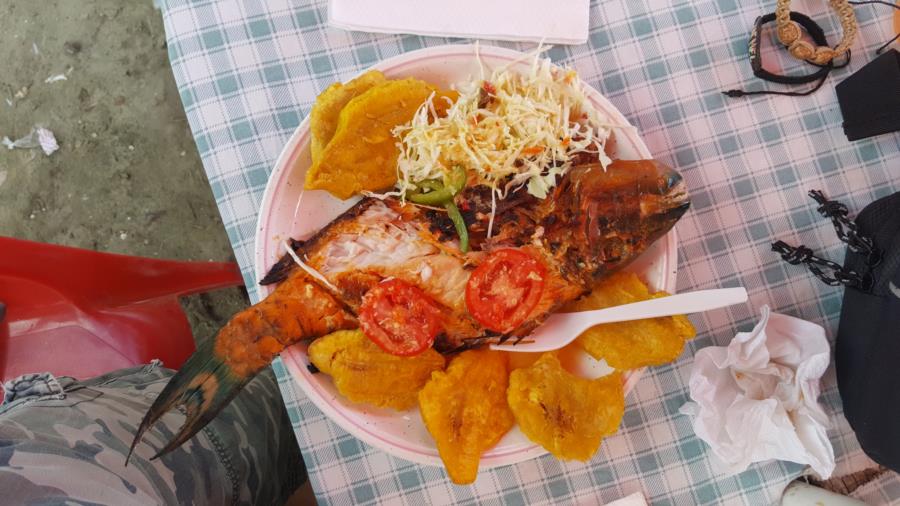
[(669, 258)]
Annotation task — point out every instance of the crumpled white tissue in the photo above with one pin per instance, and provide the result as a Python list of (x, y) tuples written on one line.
[(756, 399)]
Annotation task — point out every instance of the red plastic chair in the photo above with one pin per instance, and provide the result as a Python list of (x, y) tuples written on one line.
[(76, 312)]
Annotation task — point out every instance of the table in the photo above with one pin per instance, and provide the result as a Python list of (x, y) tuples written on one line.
[(248, 72)]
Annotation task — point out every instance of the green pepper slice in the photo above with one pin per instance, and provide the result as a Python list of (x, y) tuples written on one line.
[(435, 197), (440, 192), (460, 224)]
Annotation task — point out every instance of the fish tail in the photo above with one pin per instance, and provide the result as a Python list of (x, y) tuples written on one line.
[(204, 385), (217, 371)]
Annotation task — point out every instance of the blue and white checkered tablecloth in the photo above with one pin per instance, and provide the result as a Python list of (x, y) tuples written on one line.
[(249, 70)]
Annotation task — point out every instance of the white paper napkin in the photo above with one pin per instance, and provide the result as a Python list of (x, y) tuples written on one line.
[(635, 499), (756, 399), (551, 21)]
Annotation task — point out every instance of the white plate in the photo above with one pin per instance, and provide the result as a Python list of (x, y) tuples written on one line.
[(289, 211)]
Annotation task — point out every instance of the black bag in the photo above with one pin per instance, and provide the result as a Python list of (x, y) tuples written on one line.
[(867, 351)]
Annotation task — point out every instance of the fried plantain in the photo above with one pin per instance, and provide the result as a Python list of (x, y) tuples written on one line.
[(633, 344), (323, 119), (363, 373), (567, 415), (362, 154), (465, 410)]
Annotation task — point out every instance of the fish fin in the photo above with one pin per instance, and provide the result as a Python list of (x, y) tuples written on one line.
[(204, 386)]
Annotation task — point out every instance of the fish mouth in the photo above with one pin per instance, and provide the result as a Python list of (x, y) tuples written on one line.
[(670, 200), (676, 200)]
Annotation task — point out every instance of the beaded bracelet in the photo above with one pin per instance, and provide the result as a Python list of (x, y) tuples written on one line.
[(789, 33), (818, 36)]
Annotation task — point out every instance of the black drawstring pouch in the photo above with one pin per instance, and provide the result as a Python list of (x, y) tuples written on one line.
[(867, 351), (870, 98)]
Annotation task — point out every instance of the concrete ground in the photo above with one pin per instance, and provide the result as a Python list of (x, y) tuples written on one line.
[(127, 177)]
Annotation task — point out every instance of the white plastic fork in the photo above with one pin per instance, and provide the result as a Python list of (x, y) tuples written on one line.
[(561, 329)]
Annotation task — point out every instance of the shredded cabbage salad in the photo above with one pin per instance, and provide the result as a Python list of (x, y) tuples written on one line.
[(508, 130)]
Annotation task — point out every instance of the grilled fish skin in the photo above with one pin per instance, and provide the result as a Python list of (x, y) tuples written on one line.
[(595, 222)]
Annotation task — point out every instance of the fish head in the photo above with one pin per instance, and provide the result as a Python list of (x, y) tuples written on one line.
[(621, 210)]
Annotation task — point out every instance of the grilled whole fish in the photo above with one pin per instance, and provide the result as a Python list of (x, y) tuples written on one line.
[(595, 222)]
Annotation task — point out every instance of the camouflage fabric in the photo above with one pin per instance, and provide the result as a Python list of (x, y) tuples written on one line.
[(64, 441)]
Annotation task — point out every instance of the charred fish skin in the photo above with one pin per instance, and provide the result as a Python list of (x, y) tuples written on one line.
[(598, 221), (626, 209), (595, 222)]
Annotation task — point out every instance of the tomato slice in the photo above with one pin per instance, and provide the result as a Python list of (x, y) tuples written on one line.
[(504, 289), (399, 317)]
